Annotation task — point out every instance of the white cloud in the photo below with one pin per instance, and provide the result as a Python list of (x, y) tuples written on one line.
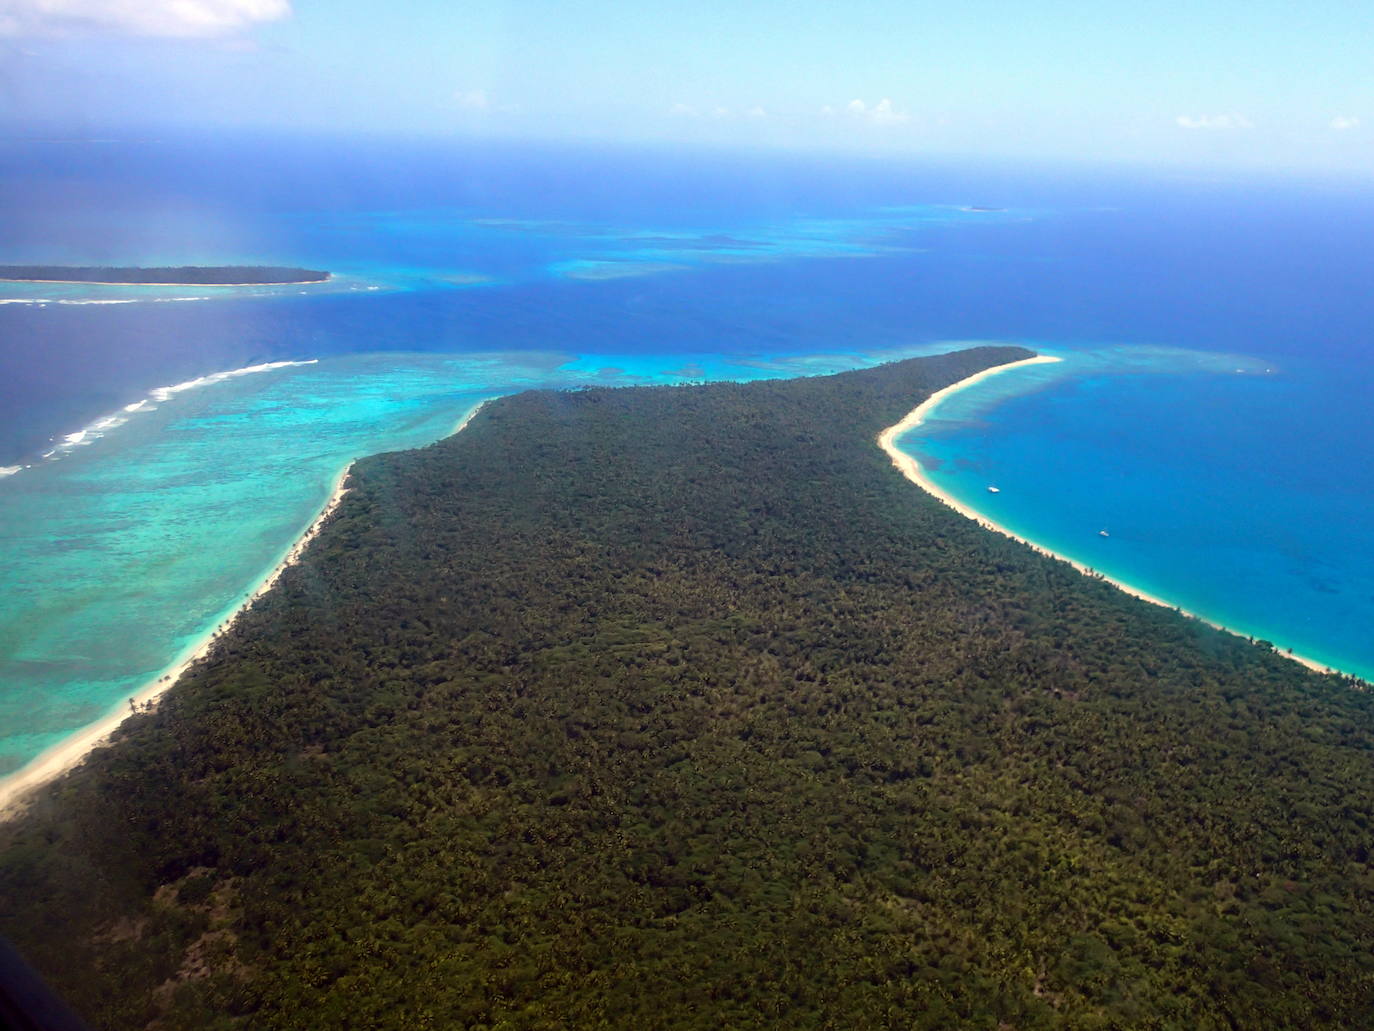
[(683, 111), (1231, 121), (881, 113), (720, 112), (756, 112), (884, 113), (136, 17), (1343, 122), (827, 111), (472, 100)]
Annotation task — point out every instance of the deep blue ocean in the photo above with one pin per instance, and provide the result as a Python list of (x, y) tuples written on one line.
[(161, 448)]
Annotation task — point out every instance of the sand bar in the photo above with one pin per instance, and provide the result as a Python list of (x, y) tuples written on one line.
[(69, 752), (911, 469)]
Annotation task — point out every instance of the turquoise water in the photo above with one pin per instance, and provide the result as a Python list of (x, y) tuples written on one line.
[(125, 548), (1184, 459), (1211, 412), (460, 249)]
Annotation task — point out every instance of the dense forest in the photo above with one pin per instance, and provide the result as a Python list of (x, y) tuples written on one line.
[(681, 708), (184, 275)]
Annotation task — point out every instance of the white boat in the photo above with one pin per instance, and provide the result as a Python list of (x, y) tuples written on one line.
[(994, 490), (1103, 533)]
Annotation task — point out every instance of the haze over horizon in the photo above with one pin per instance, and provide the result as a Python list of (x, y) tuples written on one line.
[(1229, 85)]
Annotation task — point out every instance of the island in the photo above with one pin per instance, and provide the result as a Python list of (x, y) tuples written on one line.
[(183, 275), (681, 707)]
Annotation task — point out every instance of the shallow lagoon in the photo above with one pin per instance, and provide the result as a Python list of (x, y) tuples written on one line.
[(1237, 494)]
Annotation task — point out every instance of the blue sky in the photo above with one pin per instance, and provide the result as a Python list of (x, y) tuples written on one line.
[(1228, 81)]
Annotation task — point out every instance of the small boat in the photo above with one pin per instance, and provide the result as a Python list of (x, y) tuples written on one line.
[(994, 490), (1103, 533)]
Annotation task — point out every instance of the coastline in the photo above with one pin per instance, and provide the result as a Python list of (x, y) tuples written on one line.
[(912, 470), (113, 282), (70, 751), (67, 753), (462, 423)]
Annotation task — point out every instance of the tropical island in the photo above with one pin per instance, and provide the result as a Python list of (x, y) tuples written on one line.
[(183, 275), (680, 707)]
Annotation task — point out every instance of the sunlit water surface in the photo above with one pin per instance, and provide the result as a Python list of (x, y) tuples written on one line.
[(161, 448)]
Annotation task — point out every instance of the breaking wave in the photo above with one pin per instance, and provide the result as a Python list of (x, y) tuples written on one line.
[(89, 434)]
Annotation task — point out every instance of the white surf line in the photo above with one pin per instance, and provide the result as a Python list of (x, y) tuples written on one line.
[(97, 429), (70, 751), (912, 470)]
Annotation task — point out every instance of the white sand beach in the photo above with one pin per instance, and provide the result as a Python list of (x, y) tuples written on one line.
[(912, 470), (69, 752)]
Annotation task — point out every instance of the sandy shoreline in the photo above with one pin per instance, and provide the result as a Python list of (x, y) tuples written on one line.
[(69, 752), (462, 423), (912, 470)]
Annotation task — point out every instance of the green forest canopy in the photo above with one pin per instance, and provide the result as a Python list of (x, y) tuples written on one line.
[(679, 707), (182, 275)]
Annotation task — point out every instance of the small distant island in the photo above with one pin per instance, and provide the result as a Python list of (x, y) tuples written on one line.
[(184, 275)]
